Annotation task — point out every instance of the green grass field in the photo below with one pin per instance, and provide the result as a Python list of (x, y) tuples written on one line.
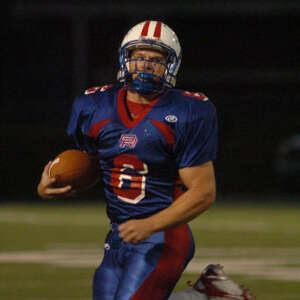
[(50, 250)]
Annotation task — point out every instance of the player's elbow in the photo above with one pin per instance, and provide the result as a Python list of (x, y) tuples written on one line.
[(209, 197), (203, 200)]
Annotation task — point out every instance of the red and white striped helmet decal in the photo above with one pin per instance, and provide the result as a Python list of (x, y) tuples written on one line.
[(145, 28), (156, 31)]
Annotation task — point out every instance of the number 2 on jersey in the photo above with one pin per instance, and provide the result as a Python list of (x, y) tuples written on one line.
[(128, 178)]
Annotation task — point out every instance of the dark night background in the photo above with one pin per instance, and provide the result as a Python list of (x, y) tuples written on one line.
[(244, 55)]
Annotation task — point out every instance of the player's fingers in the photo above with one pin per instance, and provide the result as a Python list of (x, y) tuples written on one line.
[(46, 171), (125, 229), (135, 241), (129, 235), (47, 167), (59, 191), (124, 232), (130, 238), (128, 225), (49, 182)]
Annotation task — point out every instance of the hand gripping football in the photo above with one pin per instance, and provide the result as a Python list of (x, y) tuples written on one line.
[(76, 168)]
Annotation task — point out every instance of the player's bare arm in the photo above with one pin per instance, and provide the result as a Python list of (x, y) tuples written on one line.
[(46, 188), (201, 194)]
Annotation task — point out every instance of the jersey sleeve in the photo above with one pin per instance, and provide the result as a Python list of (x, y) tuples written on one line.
[(79, 123), (198, 140)]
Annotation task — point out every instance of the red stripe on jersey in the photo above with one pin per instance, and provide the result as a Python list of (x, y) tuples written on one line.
[(145, 28), (136, 108), (157, 31), (166, 131), (170, 265), (96, 128), (122, 110)]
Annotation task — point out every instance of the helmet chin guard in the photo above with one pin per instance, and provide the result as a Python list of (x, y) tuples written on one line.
[(145, 84), (153, 35)]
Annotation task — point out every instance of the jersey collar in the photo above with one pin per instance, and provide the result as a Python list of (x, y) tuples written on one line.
[(122, 110)]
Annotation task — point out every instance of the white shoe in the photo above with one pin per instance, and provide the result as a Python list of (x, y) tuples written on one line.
[(217, 286)]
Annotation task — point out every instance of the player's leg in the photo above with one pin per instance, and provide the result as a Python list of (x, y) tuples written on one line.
[(107, 275), (154, 266)]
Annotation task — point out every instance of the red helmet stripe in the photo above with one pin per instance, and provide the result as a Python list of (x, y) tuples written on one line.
[(157, 31), (145, 28)]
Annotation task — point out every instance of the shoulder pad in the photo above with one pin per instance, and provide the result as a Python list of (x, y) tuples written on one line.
[(198, 96), (101, 88)]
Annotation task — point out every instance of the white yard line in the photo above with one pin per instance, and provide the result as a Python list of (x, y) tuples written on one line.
[(257, 262), (247, 252), (224, 225), (266, 268)]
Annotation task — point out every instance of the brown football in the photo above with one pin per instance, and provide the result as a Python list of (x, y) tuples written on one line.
[(76, 168)]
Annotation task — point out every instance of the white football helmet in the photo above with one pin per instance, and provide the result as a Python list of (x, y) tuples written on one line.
[(153, 35)]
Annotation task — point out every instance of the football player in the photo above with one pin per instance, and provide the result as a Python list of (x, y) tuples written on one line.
[(156, 147)]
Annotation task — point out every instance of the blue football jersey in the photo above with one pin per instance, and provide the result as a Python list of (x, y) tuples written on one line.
[(140, 158)]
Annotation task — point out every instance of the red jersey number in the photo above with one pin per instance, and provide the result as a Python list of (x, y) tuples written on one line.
[(129, 186), (97, 88), (198, 96)]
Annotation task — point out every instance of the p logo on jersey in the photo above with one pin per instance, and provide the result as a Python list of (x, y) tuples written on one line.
[(128, 140)]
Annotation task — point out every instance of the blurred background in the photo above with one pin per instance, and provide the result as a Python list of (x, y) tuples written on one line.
[(244, 55)]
